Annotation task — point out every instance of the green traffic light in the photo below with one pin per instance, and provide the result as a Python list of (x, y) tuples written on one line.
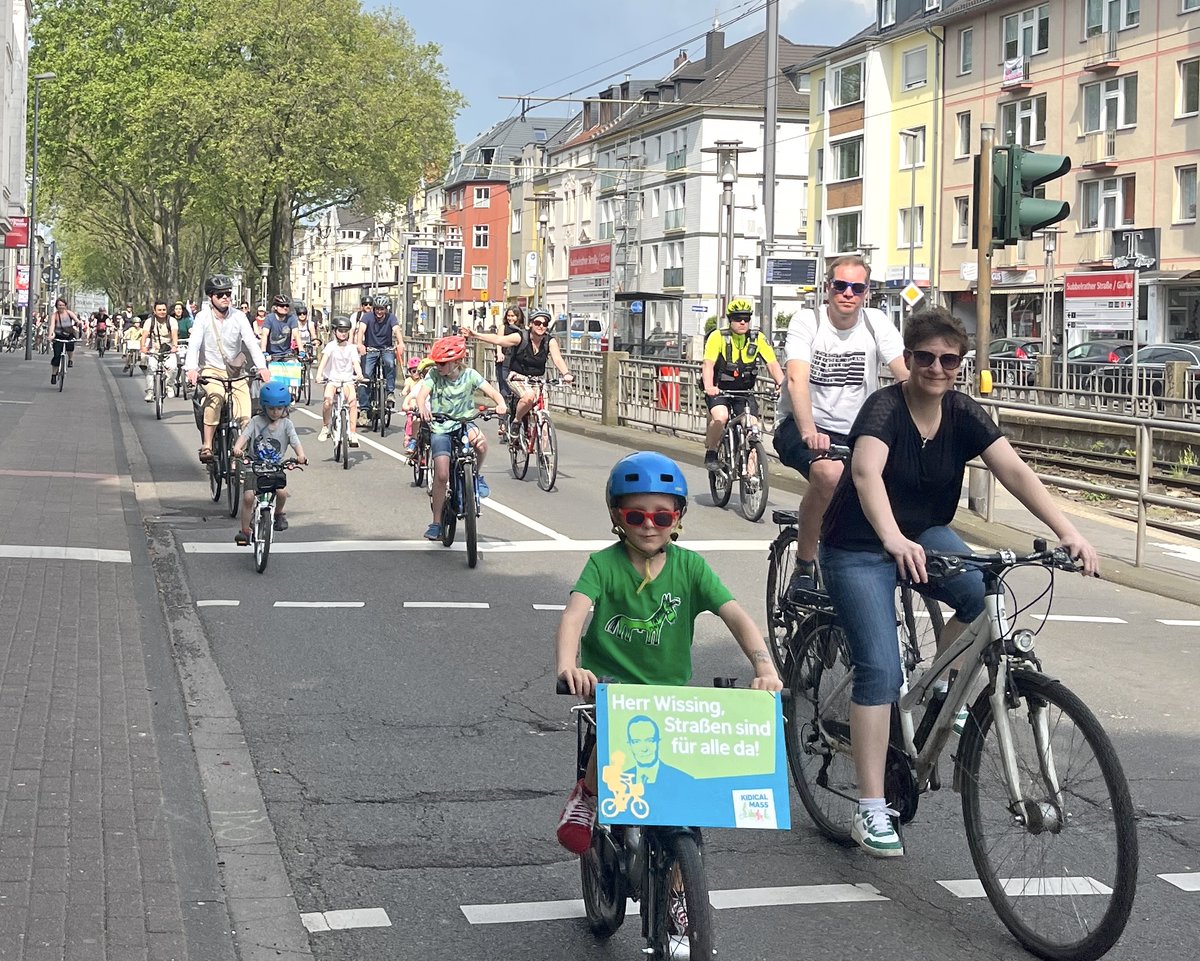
[(1026, 172)]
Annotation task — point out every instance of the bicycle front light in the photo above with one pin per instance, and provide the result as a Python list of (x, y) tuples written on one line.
[(1021, 641)]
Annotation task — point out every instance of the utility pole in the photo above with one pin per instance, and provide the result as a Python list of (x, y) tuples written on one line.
[(771, 123)]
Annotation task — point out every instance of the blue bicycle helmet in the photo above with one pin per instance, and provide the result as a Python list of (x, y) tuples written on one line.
[(645, 472), (275, 393)]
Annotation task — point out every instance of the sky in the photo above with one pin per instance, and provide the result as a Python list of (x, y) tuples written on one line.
[(547, 48)]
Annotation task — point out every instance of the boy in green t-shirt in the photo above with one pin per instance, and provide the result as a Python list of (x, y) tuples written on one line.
[(647, 593)]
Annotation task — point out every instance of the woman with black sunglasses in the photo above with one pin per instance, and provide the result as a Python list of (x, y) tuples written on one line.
[(911, 443)]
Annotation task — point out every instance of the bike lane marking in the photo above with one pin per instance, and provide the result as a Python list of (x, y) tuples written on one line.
[(320, 604), (456, 605), (1185, 882), (217, 603), (487, 501), (64, 554), (347, 918), (1029, 887), (1175, 623), (525, 911), (1079, 618)]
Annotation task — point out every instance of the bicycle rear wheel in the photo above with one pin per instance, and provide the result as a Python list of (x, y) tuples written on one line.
[(518, 448), (547, 451), (682, 864), (603, 883), (469, 517), (344, 436), (306, 384), (160, 391), (1060, 868), (262, 538), (817, 731), (419, 464), (449, 513), (62, 371), (754, 485), (781, 560), (720, 481), (381, 410), (233, 483)]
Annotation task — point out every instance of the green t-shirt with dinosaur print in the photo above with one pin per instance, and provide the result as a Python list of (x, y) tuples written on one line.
[(645, 638)]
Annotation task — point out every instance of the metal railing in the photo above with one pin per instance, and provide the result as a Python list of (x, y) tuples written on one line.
[(675, 219), (676, 159)]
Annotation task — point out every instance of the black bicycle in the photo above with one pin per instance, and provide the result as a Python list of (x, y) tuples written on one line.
[(420, 457), (268, 479), (222, 467), (741, 458), (379, 410), (160, 379), (462, 494), (64, 360), (660, 867), (302, 392)]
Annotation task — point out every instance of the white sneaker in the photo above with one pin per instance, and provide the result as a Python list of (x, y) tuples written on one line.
[(354, 440), (149, 396), (324, 435), (874, 832), (960, 721)]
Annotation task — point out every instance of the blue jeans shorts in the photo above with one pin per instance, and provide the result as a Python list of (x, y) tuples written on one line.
[(862, 586), (440, 444)]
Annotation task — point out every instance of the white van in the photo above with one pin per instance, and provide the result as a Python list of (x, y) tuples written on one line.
[(580, 332)]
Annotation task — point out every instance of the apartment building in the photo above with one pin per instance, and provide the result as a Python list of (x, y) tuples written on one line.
[(343, 256), (14, 30), (1113, 84)]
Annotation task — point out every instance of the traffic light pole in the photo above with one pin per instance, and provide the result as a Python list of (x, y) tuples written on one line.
[(983, 261)]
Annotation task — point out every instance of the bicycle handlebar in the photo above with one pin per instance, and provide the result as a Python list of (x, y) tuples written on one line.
[(227, 381), (483, 413), (942, 564), (259, 467), (560, 686)]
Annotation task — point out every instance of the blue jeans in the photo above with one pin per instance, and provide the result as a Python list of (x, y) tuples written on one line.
[(862, 586), (369, 360)]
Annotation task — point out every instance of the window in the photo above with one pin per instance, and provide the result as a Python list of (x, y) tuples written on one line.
[(847, 160), (843, 230), (966, 51), (1026, 33), (345, 262), (1190, 5), (1189, 86), (1185, 182), (915, 67), (483, 196), (1110, 104), (816, 239), (912, 149), (821, 94), (962, 142), (962, 219), (887, 13), (1107, 203), (1023, 122), (931, 5), (847, 84), (479, 278), (479, 237), (820, 172), (514, 271), (912, 227), (1102, 15), (539, 134), (516, 220)]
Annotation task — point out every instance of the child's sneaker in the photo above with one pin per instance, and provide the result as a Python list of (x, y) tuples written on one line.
[(575, 823), (281, 522), (874, 832), (324, 435), (242, 538), (677, 918), (484, 490), (410, 445), (353, 439), (433, 532)]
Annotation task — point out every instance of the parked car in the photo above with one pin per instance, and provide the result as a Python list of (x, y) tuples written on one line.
[(580, 332), (1092, 353), (1152, 360), (661, 343), (1013, 360)]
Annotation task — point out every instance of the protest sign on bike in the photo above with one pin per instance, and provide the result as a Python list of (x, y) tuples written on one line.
[(705, 757)]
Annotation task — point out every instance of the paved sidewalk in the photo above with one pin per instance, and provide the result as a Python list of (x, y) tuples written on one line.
[(105, 851)]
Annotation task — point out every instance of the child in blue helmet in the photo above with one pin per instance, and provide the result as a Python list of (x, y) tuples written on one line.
[(268, 436), (644, 574)]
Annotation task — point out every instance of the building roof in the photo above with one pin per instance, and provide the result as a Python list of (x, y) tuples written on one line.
[(350, 219), (490, 156)]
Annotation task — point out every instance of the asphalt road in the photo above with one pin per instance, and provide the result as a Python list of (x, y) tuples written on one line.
[(414, 758)]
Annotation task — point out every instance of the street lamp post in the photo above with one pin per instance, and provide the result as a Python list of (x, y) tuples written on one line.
[(727, 152), (239, 277), (31, 285), (264, 269), (912, 135), (1049, 245), (543, 216)]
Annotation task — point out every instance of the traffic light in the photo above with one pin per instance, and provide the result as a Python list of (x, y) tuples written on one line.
[(999, 201), (1025, 171)]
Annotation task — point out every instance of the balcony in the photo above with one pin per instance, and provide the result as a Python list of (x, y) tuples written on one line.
[(677, 161), (1100, 150), (1096, 247), (1101, 54), (675, 219), (673, 278), (610, 182), (1015, 76), (605, 230)]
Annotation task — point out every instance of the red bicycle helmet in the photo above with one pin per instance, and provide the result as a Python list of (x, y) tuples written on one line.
[(448, 349)]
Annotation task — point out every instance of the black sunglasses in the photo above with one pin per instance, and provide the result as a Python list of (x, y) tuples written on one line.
[(222, 293), (841, 286), (538, 323), (925, 358)]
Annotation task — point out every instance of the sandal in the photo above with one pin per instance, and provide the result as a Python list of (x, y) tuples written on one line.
[(206, 455)]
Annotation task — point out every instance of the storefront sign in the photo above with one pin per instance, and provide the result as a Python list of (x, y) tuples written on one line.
[(18, 237), (1135, 248), (22, 285), (592, 259), (1102, 300)]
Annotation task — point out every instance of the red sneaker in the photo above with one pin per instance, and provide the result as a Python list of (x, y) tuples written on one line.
[(575, 824)]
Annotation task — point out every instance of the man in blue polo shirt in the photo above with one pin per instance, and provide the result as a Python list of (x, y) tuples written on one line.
[(378, 337), (279, 329)]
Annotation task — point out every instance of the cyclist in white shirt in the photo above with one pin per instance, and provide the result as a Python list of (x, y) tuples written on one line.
[(340, 369), (219, 346)]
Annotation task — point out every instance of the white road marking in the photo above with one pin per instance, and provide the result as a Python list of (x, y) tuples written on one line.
[(487, 502), (351, 918), (1173, 623), (217, 603), (485, 547), (1028, 887), (1185, 882), (65, 554), (1185, 552), (524, 911), (549, 607), (1079, 618), (460, 605), (320, 604)]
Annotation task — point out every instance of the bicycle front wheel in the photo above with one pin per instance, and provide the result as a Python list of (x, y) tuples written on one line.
[(344, 436), (680, 906), (381, 409), (547, 452), (817, 732), (469, 518), (262, 539), (754, 485), (720, 481), (603, 882), (518, 449), (160, 391), (781, 561), (233, 484), (1059, 866), (62, 372)]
